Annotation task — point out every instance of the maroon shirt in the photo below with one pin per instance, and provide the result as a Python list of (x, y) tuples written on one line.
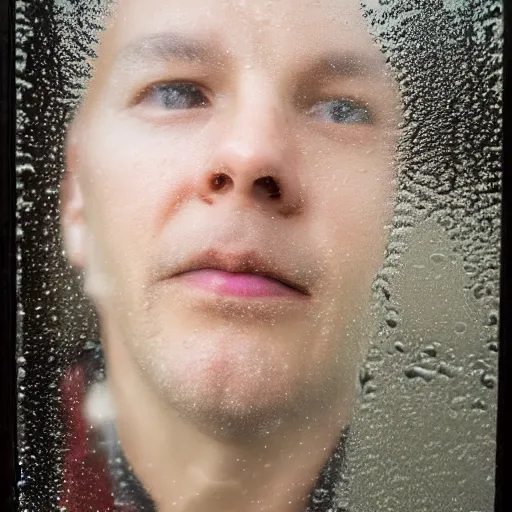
[(86, 482), (92, 483)]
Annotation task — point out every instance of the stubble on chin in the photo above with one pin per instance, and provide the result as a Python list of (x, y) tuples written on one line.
[(230, 391)]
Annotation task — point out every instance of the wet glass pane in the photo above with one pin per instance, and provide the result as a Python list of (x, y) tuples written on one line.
[(258, 247)]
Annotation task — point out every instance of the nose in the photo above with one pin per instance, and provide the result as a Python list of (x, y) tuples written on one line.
[(255, 161)]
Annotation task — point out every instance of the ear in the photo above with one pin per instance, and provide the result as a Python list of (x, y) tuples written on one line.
[(72, 219)]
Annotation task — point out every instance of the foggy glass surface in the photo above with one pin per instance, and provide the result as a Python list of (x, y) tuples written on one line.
[(423, 431)]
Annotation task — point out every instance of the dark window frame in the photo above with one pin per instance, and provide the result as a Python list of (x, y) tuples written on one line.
[(8, 448), (503, 499)]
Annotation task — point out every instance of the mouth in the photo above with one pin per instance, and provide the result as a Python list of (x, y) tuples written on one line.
[(242, 275)]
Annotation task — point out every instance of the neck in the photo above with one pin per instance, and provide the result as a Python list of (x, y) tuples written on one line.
[(185, 469)]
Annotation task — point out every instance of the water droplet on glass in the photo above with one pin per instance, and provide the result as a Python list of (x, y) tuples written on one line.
[(460, 327), (438, 258), (488, 380)]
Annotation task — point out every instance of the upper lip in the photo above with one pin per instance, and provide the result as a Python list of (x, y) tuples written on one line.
[(251, 262)]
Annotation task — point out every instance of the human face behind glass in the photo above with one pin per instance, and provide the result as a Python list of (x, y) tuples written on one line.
[(248, 137)]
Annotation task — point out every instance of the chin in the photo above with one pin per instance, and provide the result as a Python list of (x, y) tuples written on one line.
[(229, 384)]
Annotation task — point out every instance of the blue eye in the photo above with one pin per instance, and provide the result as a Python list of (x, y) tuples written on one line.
[(342, 112), (176, 96)]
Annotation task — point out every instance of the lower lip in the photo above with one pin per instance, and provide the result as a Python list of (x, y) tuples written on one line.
[(238, 284)]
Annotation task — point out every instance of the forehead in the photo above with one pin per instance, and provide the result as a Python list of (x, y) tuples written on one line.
[(258, 29)]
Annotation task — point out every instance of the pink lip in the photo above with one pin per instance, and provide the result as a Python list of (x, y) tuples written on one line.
[(238, 284)]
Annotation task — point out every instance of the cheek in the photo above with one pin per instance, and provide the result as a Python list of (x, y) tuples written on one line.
[(130, 168), (353, 218), (130, 180)]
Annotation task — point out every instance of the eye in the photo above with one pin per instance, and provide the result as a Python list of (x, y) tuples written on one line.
[(175, 96), (342, 112)]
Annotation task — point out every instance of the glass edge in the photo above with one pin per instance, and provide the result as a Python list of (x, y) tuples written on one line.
[(8, 426), (503, 495)]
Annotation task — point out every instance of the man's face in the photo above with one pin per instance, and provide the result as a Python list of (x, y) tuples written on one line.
[(247, 137)]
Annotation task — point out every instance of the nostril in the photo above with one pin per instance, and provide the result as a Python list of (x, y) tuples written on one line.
[(220, 181), (270, 186)]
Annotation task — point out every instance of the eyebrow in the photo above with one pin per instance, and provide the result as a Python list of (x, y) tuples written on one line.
[(166, 47), (344, 65), (172, 46)]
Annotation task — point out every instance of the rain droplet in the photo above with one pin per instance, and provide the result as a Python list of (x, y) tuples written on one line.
[(415, 372), (438, 258), (430, 350), (493, 318), (447, 370), (392, 318), (479, 404), (460, 327), (488, 380), (400, 347)]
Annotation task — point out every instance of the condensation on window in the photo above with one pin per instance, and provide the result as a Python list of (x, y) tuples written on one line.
[(425, 429), (423, 432)]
